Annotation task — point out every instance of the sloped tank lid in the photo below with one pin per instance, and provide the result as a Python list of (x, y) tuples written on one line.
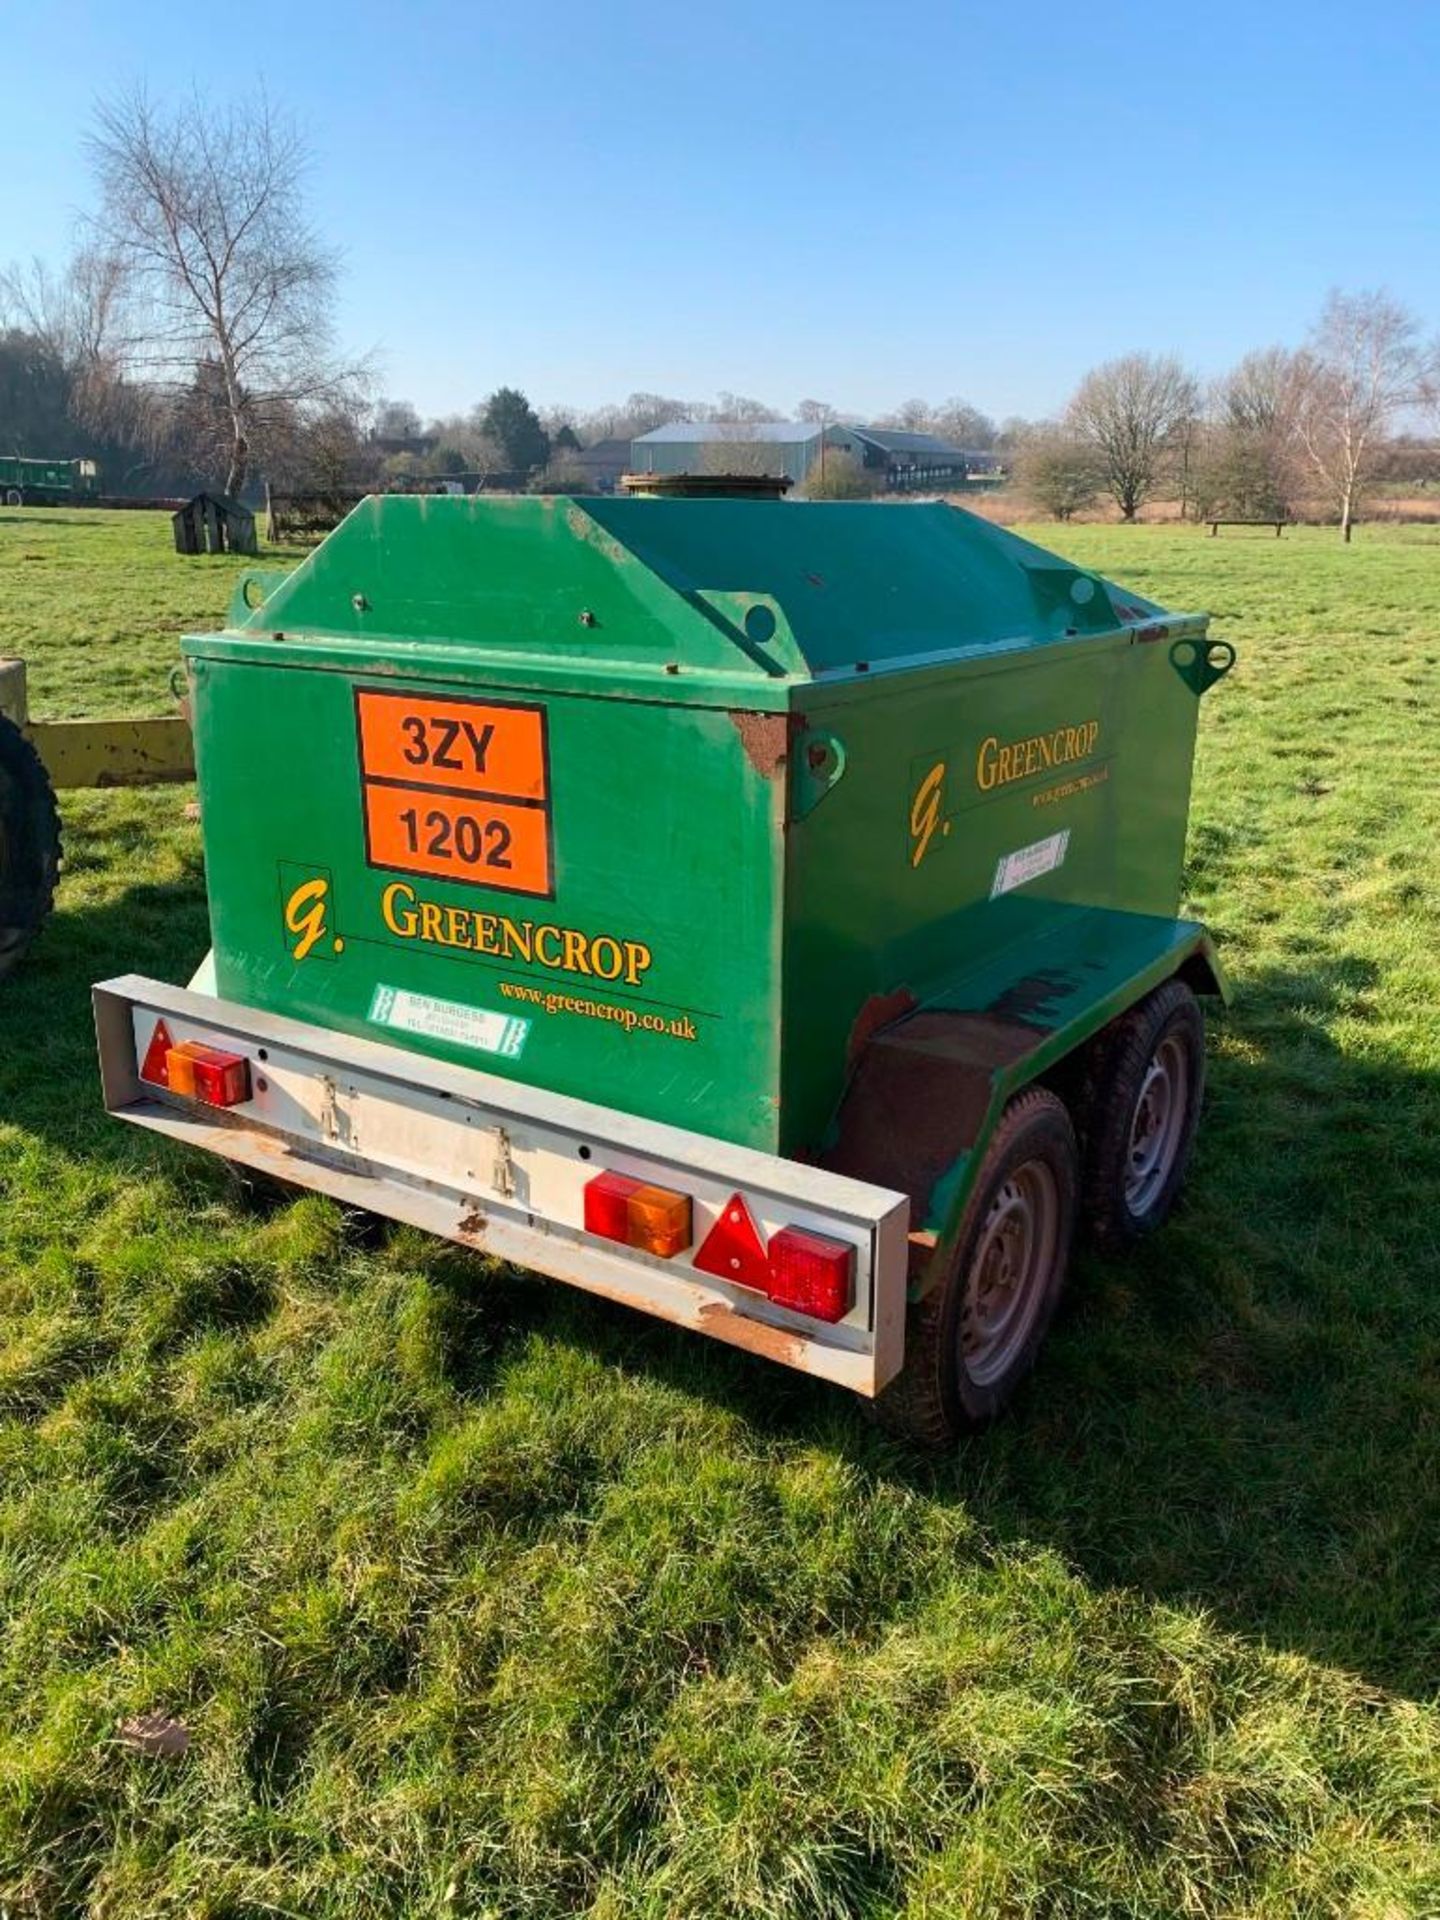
[(711, 592)]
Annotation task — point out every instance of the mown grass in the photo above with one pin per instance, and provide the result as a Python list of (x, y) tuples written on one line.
[(95, 602), (479, 1597)]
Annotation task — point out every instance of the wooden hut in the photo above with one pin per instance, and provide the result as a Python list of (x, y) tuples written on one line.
[(214, 523)]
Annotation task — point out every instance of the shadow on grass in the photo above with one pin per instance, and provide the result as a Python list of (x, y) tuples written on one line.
[(49, 1079), (1242, 1417)]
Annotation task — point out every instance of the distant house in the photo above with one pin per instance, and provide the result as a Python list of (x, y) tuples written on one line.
[(602, 464), (897, 461)]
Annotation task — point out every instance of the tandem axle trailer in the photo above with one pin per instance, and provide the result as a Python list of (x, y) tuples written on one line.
[(761, 914)]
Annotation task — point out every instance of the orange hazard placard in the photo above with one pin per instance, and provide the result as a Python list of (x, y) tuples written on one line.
[(457, 788), (491, 843), (475, 746)]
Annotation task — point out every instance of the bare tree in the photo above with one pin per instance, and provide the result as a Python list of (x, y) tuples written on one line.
[(740, 409), (840, 476), (1365, 365), (202, 209), (1259, 393), (733, 447), (395, 420), (911, 416), (1246, 453), (1129, 410), (1060, 472), (962, 425)]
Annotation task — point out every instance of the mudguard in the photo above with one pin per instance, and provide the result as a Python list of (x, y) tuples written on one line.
[(927, 1089)]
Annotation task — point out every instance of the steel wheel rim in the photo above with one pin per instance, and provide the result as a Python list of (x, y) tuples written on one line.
[(1158, 1126), (1010, 1272)]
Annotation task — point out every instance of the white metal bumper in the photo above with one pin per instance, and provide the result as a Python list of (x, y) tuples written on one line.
[(501, 1167)]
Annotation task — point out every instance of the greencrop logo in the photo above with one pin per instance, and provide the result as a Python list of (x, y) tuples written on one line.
[(306, 908), (998, 765), (926, 810)]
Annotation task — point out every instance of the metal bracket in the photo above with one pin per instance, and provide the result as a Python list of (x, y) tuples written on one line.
[(1200, 663), (819, 762), (252, 590)]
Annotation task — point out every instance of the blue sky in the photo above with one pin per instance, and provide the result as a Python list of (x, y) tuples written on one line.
[(854, 202)]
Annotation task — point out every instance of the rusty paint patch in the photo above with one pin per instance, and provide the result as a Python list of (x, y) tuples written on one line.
[(765, 738), (756, 1336), (880, 1010), (473, 1224), (920, 1252), (586, 527)]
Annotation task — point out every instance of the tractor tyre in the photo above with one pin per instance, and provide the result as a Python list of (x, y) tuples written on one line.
[(29, 844), (973, 1338), (1146, 1083)]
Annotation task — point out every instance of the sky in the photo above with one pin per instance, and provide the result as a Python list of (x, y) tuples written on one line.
[(792, 198)]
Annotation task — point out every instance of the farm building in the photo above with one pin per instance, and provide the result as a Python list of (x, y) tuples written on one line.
[(602, 464), (902, 462), (787, 447), (911, 461)]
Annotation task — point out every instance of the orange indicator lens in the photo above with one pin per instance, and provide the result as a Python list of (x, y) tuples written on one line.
[(654, 1219), (659, 1221), (207, 1073)]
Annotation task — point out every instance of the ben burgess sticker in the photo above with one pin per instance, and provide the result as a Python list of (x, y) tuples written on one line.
[(1028, 863), (451, 1020)]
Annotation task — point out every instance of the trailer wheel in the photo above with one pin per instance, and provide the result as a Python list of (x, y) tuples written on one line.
[(973, 1338), (29, 844), (14, 497), (1147, 1080)]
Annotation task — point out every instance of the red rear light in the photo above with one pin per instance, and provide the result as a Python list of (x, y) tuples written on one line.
[(607, 1205), (812, 1274), (207, 1073), (654, 1219)]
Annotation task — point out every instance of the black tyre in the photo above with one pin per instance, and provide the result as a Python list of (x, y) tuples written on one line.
[(1146, 1083), (29, 844), (974, 1337), (14, 497)]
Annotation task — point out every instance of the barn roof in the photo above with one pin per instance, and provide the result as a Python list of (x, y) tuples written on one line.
[(896, 440), (775, 432)]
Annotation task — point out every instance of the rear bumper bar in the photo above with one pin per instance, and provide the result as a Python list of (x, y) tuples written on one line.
[(500, 1166)]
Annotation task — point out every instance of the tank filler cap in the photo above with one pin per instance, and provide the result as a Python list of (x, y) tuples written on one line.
[(706, 486)]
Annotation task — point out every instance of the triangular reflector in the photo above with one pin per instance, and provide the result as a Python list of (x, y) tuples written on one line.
[(155, 1070), (733, 1249)]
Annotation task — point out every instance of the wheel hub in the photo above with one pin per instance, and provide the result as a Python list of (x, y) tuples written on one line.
[(1009, 1271), (1158, 1128)]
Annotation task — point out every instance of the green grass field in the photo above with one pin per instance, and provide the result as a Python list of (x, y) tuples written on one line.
[(479, 1597)]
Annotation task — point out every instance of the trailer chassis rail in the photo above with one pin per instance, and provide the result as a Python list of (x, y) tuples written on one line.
[(500, 1167)]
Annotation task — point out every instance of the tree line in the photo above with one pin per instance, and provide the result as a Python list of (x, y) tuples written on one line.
[(190, 339), (1284, 428)]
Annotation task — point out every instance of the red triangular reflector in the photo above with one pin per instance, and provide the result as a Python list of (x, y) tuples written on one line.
[(733, 1249), (155, 1070)]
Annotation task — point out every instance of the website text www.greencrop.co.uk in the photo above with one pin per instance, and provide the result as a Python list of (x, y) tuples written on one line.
[(677, 1026)]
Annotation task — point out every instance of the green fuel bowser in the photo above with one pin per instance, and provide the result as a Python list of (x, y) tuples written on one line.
[(761, 913)]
